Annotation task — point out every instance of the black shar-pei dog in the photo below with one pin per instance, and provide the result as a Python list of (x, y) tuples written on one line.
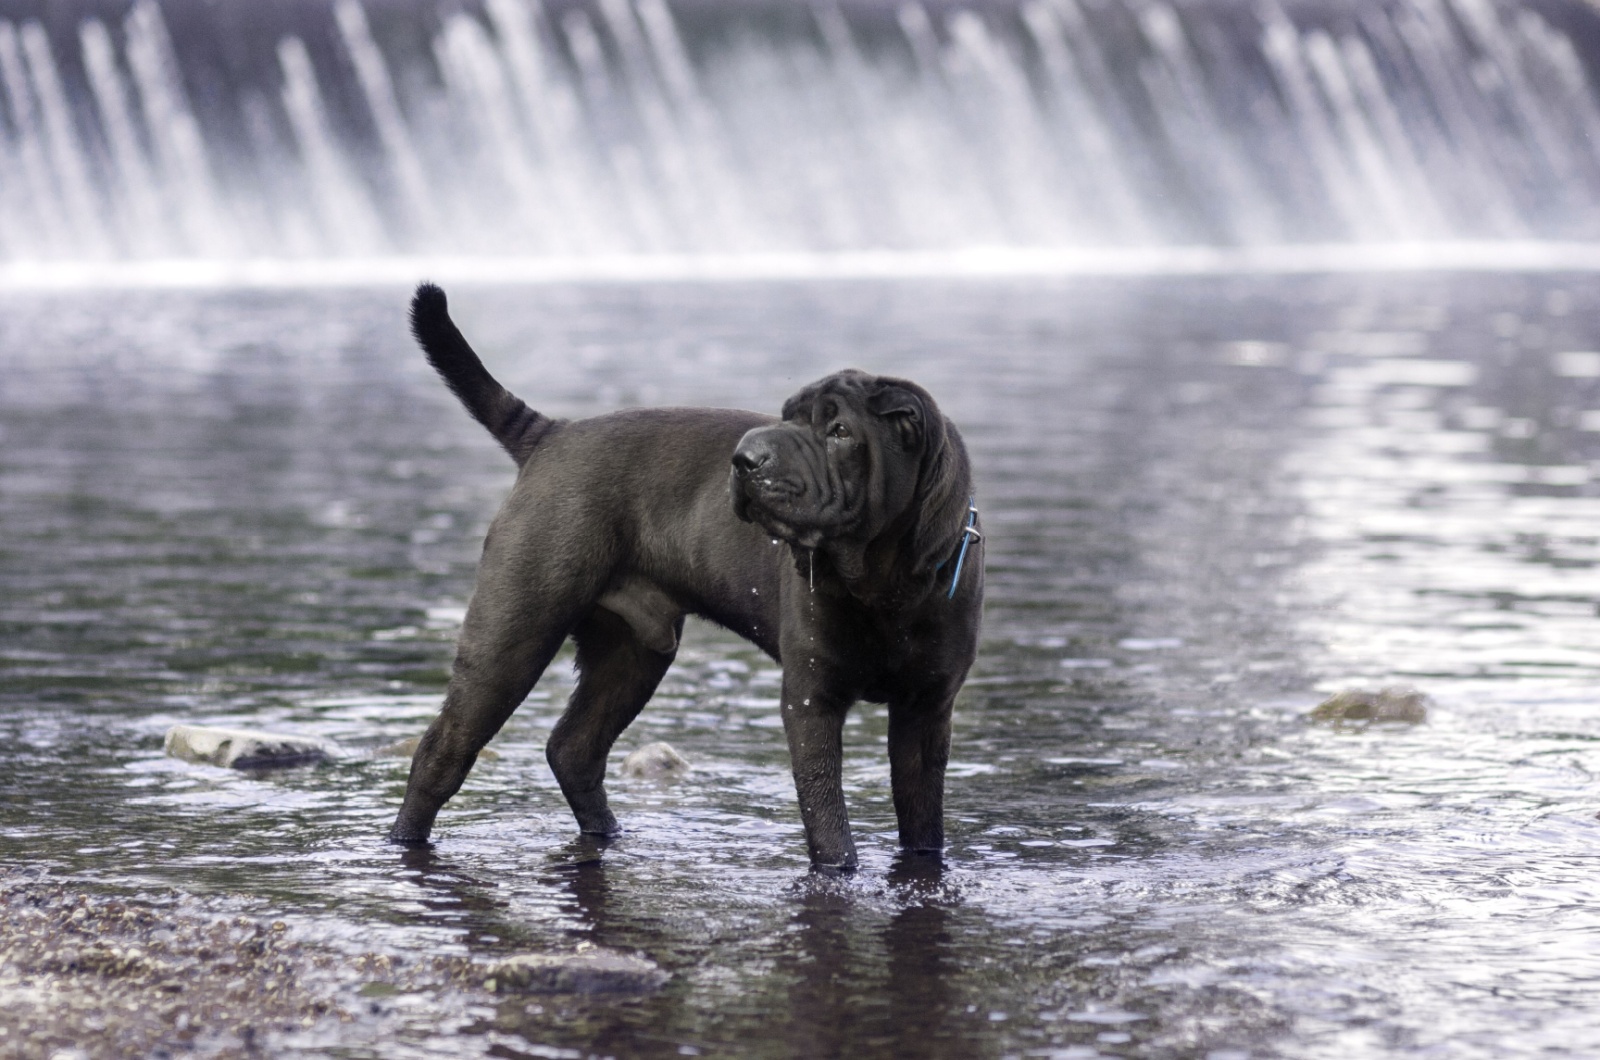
[(849, 551)]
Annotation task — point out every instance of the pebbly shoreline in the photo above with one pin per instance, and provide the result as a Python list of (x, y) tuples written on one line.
[(85, 976)]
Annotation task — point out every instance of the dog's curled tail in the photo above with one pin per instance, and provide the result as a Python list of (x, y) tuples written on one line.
[(509, 419)]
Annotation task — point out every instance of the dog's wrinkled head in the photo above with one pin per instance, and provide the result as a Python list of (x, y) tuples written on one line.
[(856, 457)]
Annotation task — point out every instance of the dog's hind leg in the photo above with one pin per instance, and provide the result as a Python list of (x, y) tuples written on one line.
[(617, 674), (483, 694), (508, 639)]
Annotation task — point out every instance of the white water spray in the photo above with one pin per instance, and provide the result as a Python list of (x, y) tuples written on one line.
[(621, 127)]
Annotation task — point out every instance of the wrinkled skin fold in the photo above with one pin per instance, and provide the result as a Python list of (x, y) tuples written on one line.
[(827, 537)]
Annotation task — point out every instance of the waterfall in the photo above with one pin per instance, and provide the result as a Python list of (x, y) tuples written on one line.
[(169, 129)]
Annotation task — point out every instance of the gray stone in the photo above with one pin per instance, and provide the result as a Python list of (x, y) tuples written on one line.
[(244, 748), (590, 970), (1360, 706), (655, 761), (399, 749)]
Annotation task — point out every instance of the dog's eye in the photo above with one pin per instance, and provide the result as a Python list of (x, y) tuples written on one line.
[(838, 430)]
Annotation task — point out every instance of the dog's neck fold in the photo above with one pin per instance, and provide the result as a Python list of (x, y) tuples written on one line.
[(889, 572)]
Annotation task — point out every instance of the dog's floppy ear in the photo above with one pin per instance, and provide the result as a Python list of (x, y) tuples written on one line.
[(944, 490), (903, 410), (944, 476)]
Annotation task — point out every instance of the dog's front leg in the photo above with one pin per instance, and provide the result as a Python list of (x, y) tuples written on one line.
[(919, 750), (813, 720)]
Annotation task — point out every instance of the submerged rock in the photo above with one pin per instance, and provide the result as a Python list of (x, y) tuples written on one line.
[(1395, 703), (655, 761), (408, 747), (399, 749), (590, 970), (243, 748)]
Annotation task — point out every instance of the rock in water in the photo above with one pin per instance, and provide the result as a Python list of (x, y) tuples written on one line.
[(399, 749), (655, 761), (1395, 703), (244, 749), (590, 970)]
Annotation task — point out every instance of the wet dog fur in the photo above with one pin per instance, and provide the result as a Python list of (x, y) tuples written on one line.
[(827, 536)]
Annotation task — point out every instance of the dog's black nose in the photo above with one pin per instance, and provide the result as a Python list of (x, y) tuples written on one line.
[(750, 455)]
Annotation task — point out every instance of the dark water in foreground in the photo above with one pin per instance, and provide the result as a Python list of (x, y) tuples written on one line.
[(1209, 502)]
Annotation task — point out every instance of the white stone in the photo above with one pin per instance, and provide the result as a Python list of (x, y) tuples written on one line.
[(243, 748), (655, 761)]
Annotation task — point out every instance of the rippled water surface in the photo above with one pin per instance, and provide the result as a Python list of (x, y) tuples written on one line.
[(1209, 503)]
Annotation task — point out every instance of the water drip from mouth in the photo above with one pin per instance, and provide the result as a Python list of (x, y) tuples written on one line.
[(811, 576)]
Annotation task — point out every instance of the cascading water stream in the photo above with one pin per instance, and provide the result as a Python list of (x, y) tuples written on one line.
[(172, 129)]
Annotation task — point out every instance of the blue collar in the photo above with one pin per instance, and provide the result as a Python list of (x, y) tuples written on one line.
[(969, 533)]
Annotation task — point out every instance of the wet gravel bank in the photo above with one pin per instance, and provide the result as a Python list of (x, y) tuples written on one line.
[(87, 976)]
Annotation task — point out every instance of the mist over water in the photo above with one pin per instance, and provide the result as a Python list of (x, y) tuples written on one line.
[(180, 129)]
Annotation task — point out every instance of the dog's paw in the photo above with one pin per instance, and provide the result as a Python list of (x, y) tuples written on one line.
[(407, 837)]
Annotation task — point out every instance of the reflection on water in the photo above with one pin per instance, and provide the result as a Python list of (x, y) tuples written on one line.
[(1209, 503)]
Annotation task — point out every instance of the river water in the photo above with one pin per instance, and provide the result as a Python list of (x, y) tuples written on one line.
[(1210, 502)]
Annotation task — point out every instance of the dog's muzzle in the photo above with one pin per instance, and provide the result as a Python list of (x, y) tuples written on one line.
[(752, 455), (755, 452), (759, 481)]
